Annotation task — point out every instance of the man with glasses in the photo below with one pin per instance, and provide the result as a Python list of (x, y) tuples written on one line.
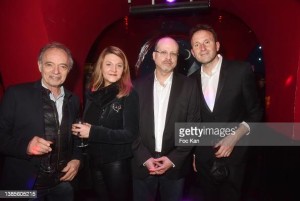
[(165, 98), (35, 130)]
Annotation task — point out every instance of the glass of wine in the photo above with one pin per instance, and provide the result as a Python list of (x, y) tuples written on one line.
[(83, 143), (48, 163)]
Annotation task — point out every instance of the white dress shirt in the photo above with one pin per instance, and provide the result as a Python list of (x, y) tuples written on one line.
[(210, 84), (161, 95)]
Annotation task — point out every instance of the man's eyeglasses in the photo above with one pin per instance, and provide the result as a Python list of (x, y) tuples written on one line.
[(165, 53)]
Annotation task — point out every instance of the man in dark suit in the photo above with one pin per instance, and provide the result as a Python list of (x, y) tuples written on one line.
[(165, 98), (228, 94), (35, 116)]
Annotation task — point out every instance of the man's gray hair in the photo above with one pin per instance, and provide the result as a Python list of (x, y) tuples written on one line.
[(58, 46)]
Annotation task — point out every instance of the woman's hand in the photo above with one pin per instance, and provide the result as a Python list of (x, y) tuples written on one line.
[(81, 130)]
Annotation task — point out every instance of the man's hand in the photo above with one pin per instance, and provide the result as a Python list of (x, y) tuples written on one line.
[(151, 166), (226, 145), (162, 164), (70, 170), (38, 146)]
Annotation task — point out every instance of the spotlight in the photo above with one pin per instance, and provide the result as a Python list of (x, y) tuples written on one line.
[(170, 7)]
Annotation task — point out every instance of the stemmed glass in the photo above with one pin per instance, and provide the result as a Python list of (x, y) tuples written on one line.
[(47, 164), (83, 142)]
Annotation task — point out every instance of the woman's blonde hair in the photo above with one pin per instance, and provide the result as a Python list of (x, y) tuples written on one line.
[(97, 80)]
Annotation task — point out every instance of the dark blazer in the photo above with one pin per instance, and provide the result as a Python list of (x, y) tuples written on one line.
[(21, 118), (236, 99), (112, 134), (183, 107)]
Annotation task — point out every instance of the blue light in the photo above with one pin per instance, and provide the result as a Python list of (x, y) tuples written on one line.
[(170, 1)]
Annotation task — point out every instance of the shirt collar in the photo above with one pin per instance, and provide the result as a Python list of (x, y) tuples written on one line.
[(62, 91), (216, 68), (167, 81)]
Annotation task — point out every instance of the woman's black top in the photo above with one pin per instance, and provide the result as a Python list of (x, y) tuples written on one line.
[(114, 123)]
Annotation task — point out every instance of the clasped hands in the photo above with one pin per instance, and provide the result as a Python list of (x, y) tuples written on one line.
[(158, 166)]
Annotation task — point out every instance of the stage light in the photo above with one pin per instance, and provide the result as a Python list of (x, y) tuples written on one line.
[(170, 7)]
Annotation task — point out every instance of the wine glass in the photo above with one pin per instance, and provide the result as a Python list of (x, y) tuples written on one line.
[(83, 142), (47, 163)]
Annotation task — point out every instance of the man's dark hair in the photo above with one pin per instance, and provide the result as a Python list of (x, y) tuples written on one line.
[(204, 27)]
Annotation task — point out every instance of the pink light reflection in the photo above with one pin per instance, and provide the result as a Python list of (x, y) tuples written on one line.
[(289, 81)]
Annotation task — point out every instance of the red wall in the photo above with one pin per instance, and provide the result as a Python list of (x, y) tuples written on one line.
[(22, 33), (26, 25)]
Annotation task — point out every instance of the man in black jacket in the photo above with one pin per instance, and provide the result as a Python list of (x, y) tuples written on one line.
[(35, 130), (165, 98), (228, 94)]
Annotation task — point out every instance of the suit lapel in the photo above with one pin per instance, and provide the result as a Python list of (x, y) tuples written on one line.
[(148, 108), (222, 78), (199, 82), (174, 93), (37, 98)]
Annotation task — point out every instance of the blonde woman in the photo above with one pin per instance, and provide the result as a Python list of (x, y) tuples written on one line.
[(111, 116)]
